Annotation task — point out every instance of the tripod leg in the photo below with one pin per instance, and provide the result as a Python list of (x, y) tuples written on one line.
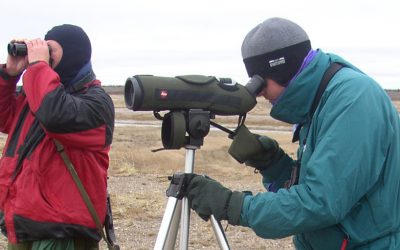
[(219, 233), (177, 204), (166, 237), (173, 232), (184, 239)]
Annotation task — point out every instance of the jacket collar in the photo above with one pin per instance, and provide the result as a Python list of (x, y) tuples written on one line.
[(82, 83), (295, 103), (84, 76)]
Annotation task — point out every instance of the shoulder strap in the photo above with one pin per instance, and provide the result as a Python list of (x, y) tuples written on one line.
[(329, 73), (84, 194)]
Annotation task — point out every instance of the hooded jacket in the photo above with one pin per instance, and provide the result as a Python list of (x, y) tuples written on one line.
[(349, 185), (38, 197)]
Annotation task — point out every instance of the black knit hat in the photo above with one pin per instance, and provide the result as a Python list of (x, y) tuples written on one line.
[(76, 47), (275, 49)]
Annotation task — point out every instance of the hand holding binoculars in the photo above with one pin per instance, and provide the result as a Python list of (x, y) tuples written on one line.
[(18, 49)]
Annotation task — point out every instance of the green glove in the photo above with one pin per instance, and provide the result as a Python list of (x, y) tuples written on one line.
[(254, 150), (208, 197)]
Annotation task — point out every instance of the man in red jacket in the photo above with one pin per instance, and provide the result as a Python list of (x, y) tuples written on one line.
[(40, 205)]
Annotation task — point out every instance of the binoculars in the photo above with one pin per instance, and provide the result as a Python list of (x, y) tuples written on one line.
[(17, 49)]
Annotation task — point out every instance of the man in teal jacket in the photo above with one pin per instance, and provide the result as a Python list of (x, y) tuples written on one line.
[(343, 191)]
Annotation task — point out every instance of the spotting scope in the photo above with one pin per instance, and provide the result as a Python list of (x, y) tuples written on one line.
[(220, 96)]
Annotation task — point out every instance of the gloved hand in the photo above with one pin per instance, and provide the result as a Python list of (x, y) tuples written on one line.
[(208, 197), (254, 150)]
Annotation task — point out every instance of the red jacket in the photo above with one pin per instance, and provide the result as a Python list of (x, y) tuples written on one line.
[(38, 197)]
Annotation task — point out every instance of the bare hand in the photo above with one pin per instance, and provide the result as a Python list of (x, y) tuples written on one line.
[(38, 50)]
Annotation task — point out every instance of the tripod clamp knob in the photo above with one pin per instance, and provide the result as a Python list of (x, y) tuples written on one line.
[(177, 186)]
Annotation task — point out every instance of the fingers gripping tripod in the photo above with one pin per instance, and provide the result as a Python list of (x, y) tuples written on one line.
[(178, 210)]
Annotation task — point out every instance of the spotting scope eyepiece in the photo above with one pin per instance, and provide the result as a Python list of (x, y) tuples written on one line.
[(221, 96)]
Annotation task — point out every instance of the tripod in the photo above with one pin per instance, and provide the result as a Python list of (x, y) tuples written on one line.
[(177, 208)]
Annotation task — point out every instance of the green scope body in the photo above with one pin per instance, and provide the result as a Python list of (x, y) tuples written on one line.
[(221, 96)]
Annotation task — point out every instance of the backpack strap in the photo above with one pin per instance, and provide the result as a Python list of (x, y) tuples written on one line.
[(84, 194)]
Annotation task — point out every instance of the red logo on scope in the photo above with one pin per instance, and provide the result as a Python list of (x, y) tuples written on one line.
[(164, 94)]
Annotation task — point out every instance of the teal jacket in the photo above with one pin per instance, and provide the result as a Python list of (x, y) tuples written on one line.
[(349, 184)]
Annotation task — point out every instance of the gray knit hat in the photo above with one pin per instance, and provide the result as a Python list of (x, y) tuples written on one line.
[(276, 49)]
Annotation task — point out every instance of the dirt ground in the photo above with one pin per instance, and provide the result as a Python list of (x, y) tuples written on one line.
[(139, 231)]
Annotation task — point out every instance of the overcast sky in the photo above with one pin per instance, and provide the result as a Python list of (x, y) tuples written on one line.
[(171, 37)]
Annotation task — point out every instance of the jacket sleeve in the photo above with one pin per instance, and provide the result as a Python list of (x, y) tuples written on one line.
[(346, 157), (8, 99), (81, 120)]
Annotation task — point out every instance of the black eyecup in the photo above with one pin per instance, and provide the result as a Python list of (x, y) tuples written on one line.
[(255, 85)]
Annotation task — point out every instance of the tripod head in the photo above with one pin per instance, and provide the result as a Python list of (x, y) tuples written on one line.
[(184, 128)]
